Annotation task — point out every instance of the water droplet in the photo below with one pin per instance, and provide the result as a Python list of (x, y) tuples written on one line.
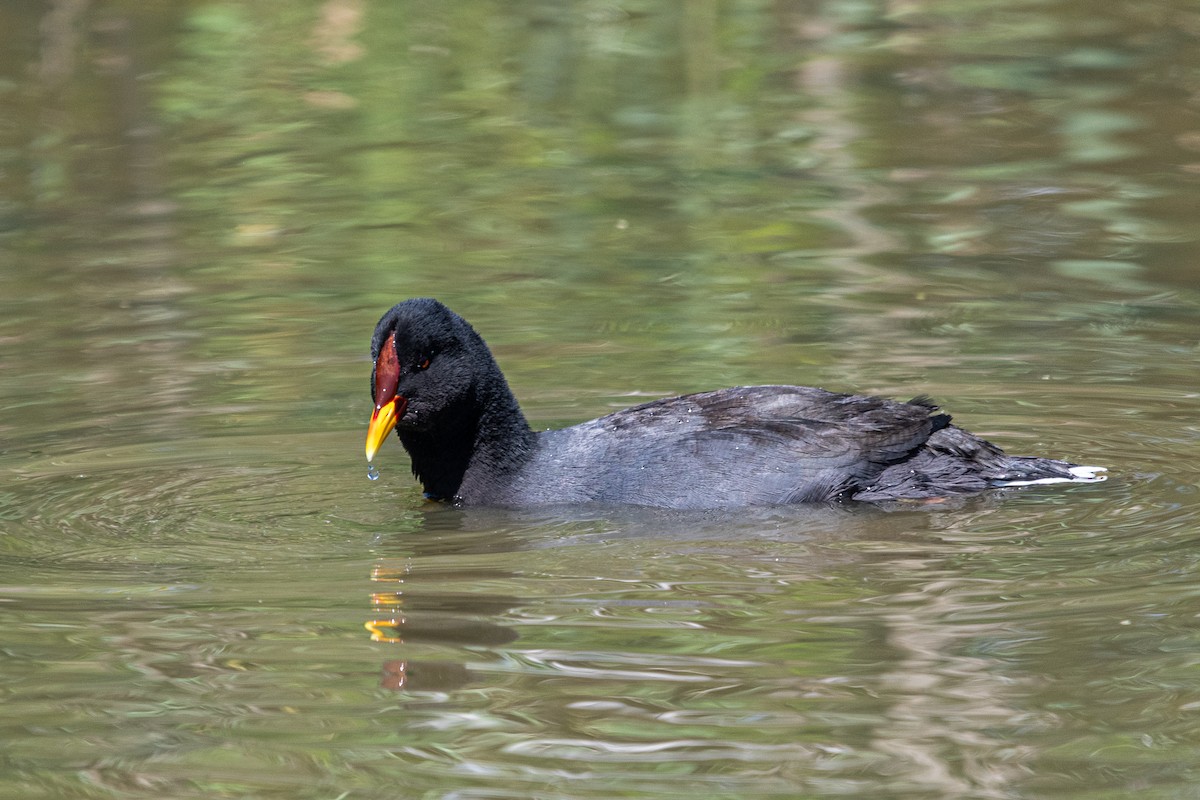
[(372, 472)]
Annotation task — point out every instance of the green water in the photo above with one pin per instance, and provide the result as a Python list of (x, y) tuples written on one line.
[(205, 207)]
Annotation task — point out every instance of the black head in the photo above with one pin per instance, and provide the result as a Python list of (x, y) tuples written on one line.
[(427, 362)]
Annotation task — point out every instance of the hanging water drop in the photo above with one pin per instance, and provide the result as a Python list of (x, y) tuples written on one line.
[(372, 472)]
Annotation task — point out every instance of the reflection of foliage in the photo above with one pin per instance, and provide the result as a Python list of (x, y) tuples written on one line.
[(236, 103), (221, 55), (736, 190), (552, 146), (447, 117)]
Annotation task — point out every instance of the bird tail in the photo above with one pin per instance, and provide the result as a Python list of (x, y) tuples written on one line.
[(955, 462), (1022, 471)]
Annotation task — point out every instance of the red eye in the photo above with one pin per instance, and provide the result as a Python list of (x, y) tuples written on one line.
[(422, 364)]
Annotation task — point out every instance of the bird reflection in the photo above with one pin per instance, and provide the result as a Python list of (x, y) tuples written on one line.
[(428, 580)]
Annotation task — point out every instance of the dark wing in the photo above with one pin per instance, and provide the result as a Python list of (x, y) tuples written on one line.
[(752, 445)]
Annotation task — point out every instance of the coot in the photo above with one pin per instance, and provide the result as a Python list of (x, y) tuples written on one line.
[(435, 381)]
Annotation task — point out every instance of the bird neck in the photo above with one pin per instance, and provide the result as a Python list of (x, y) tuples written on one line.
[(486, 440)]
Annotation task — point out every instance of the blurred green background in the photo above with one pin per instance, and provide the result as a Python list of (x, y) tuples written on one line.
[(205, 207)]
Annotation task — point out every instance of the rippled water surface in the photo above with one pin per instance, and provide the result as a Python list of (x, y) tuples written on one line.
[(204, 208)]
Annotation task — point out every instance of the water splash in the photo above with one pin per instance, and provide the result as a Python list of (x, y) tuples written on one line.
[(372, 472)]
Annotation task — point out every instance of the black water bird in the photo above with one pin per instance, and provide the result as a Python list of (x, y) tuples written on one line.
[(435, 382)]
